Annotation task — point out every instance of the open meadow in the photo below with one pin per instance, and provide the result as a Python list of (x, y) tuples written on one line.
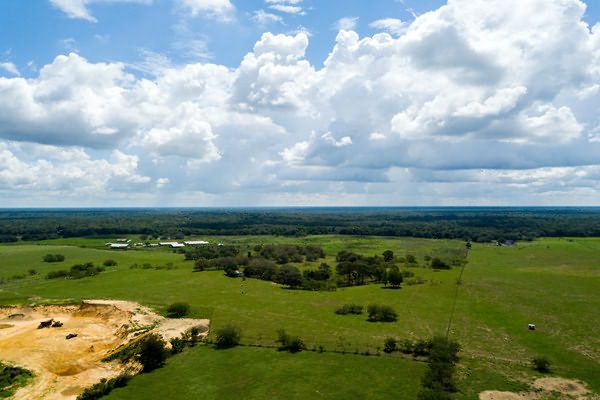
[(552, 283)]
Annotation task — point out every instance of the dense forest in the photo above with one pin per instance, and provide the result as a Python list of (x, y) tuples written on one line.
[(476, 224)]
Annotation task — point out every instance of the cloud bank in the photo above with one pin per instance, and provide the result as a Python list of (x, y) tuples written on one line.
[(478, 102)]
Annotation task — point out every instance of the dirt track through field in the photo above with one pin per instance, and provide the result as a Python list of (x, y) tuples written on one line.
[(64, 367)]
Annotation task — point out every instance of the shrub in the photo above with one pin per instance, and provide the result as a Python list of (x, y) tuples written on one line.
[(381, 313), (406, 346), (152, 352), (228, 336), (349, 309), (437, 263), (50, 258), (82, 270), (57, 274), (389, 345), (293, 344), (11, 378), (177, 345), (178, 310), (192, 335), (422, 347), (104, 387), (109, 263), (541, 364)]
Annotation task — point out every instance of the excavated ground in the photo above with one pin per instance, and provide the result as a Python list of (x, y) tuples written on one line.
[(64, 367)]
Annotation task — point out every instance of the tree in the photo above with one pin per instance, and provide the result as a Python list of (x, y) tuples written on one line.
[(388, 255), (228, 336), (289, 275), (110, 263), (178, 310), (394, 278), (152, 352)]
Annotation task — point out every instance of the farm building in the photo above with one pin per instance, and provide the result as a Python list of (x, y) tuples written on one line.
[(195, 243), (173, 245), (118, 246)]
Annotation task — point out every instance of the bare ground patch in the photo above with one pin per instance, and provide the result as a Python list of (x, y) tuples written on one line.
[(497, 395), (560, 385), (64, 367), (565, 388)]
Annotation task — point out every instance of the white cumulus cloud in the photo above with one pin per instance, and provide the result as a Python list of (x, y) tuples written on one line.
[(479, 95)]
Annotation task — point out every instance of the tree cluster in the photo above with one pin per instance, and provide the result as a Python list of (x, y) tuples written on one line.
[(286, 253), (77, 271)]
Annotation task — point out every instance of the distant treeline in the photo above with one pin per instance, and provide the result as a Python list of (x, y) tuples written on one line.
[(476, 224)]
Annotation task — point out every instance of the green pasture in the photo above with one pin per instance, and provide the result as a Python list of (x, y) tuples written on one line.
[(553, 283), (258, 373)]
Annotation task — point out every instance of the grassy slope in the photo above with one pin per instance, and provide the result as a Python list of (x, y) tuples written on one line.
[(552, 283)]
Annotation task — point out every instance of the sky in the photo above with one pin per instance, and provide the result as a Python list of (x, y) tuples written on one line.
[(224, 103)]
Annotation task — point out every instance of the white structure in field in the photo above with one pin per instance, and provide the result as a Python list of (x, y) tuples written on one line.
[(118, 245), (173, 245), (195, 243)]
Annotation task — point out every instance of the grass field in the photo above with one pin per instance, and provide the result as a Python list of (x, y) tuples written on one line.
[(553, 283)]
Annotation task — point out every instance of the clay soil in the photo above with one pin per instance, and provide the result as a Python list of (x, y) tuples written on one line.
[(63, 368)]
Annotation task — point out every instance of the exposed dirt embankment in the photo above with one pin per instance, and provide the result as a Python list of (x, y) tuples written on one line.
[(64, 367)]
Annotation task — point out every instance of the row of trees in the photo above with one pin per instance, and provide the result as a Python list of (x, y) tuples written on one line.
[(479, 225)]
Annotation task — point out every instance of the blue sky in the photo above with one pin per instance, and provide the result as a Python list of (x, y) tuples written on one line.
[(38, 30), (299, 102)]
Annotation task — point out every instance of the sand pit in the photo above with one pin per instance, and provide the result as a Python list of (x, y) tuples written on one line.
[(63, 368)]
